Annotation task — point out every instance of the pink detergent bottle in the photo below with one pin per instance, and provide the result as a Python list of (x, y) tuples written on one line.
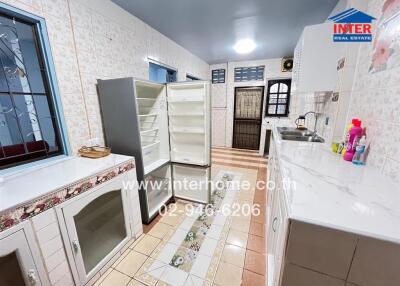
[(354, 133)]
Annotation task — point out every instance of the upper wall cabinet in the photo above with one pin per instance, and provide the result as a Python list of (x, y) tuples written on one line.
[(315, 60)]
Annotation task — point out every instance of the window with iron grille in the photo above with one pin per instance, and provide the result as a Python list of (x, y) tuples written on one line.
[(29, 127), (278, 98), (249, 73), (218, 76)]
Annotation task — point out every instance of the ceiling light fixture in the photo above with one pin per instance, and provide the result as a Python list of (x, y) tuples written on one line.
[(244, 46)]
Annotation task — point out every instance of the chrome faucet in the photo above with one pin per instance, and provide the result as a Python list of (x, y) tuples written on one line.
[(316, 115)]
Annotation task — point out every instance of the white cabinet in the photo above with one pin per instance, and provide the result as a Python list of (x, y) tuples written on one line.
[(20, 260), (98, 224), (315, 60), (278, 220)]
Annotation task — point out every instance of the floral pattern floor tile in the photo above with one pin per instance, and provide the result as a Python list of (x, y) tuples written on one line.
[(204, 226)]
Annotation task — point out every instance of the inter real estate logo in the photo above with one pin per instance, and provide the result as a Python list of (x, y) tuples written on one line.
[(352, 25)]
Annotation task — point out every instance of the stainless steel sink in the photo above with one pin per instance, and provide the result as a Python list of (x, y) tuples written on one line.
[(294, 134), (315, 138)]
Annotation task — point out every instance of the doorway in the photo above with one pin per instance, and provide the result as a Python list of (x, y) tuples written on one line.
[(247, 117)]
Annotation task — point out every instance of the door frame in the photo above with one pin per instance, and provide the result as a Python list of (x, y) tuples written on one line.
[(261, 110)]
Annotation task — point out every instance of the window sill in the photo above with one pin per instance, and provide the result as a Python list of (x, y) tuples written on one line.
[(21, 170)]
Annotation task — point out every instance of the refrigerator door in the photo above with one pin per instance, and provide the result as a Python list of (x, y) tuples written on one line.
[(153, 124), (189, 115), (192, 182)]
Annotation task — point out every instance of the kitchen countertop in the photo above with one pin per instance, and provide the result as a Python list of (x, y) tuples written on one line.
[(331, 192), (38, 181)]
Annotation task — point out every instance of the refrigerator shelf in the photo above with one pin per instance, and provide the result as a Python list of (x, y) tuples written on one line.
[(153, 166), (148, 115), (149, 130), (187, 100), (187, 130), (149, 145), (144, 98), (187, 114)]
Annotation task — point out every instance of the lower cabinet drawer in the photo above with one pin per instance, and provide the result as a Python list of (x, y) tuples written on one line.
[(296, 276), (321, 249)]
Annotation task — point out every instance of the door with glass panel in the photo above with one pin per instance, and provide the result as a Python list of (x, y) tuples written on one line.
[(247, 117), (17, 263), (98, 227)]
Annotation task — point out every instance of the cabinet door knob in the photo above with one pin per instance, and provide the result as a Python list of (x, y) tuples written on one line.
[(32, 277), (75, 245), (274, 224)]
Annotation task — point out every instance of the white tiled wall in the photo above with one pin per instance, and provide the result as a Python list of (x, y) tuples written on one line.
[(97, 39), (372, 97), (223, 95), (376, 101), (50, 243)]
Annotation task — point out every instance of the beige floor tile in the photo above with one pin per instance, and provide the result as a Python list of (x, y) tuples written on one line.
[(228, 274), (134, 242), (172, 219), (131, 263), (160, 230), (237, 238), (147, 244), (241, 224), (135, 283), (102, 277), (115, 278), (234, 255), (120, 258)]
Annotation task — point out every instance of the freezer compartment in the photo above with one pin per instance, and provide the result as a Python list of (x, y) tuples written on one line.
[(158, 188), (191, 183)]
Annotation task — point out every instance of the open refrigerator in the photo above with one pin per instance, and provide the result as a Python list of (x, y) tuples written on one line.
[(167, 128)]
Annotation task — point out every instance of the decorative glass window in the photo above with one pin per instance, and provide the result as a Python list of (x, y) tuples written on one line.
[(29, 127), (249, 73), (218, 76), (278, 97)]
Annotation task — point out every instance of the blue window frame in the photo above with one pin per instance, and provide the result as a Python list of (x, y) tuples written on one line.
[(161, 74), (32, 126)]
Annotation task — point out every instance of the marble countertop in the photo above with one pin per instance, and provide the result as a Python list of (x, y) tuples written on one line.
[(334, 193), (37, 181)]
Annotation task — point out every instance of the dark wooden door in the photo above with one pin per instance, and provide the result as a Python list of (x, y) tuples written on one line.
[(247, 117)]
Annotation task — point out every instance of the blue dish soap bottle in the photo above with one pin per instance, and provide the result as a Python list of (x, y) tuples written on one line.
[(359, 157)]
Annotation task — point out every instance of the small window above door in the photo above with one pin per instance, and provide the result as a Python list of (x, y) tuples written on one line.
[(278, 98)]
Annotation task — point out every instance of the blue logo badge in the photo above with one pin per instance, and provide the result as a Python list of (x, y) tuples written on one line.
[(352, 25)]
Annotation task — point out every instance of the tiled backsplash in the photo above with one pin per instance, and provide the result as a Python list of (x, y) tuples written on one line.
[(96, 39), (376, 101), (373, 97)]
